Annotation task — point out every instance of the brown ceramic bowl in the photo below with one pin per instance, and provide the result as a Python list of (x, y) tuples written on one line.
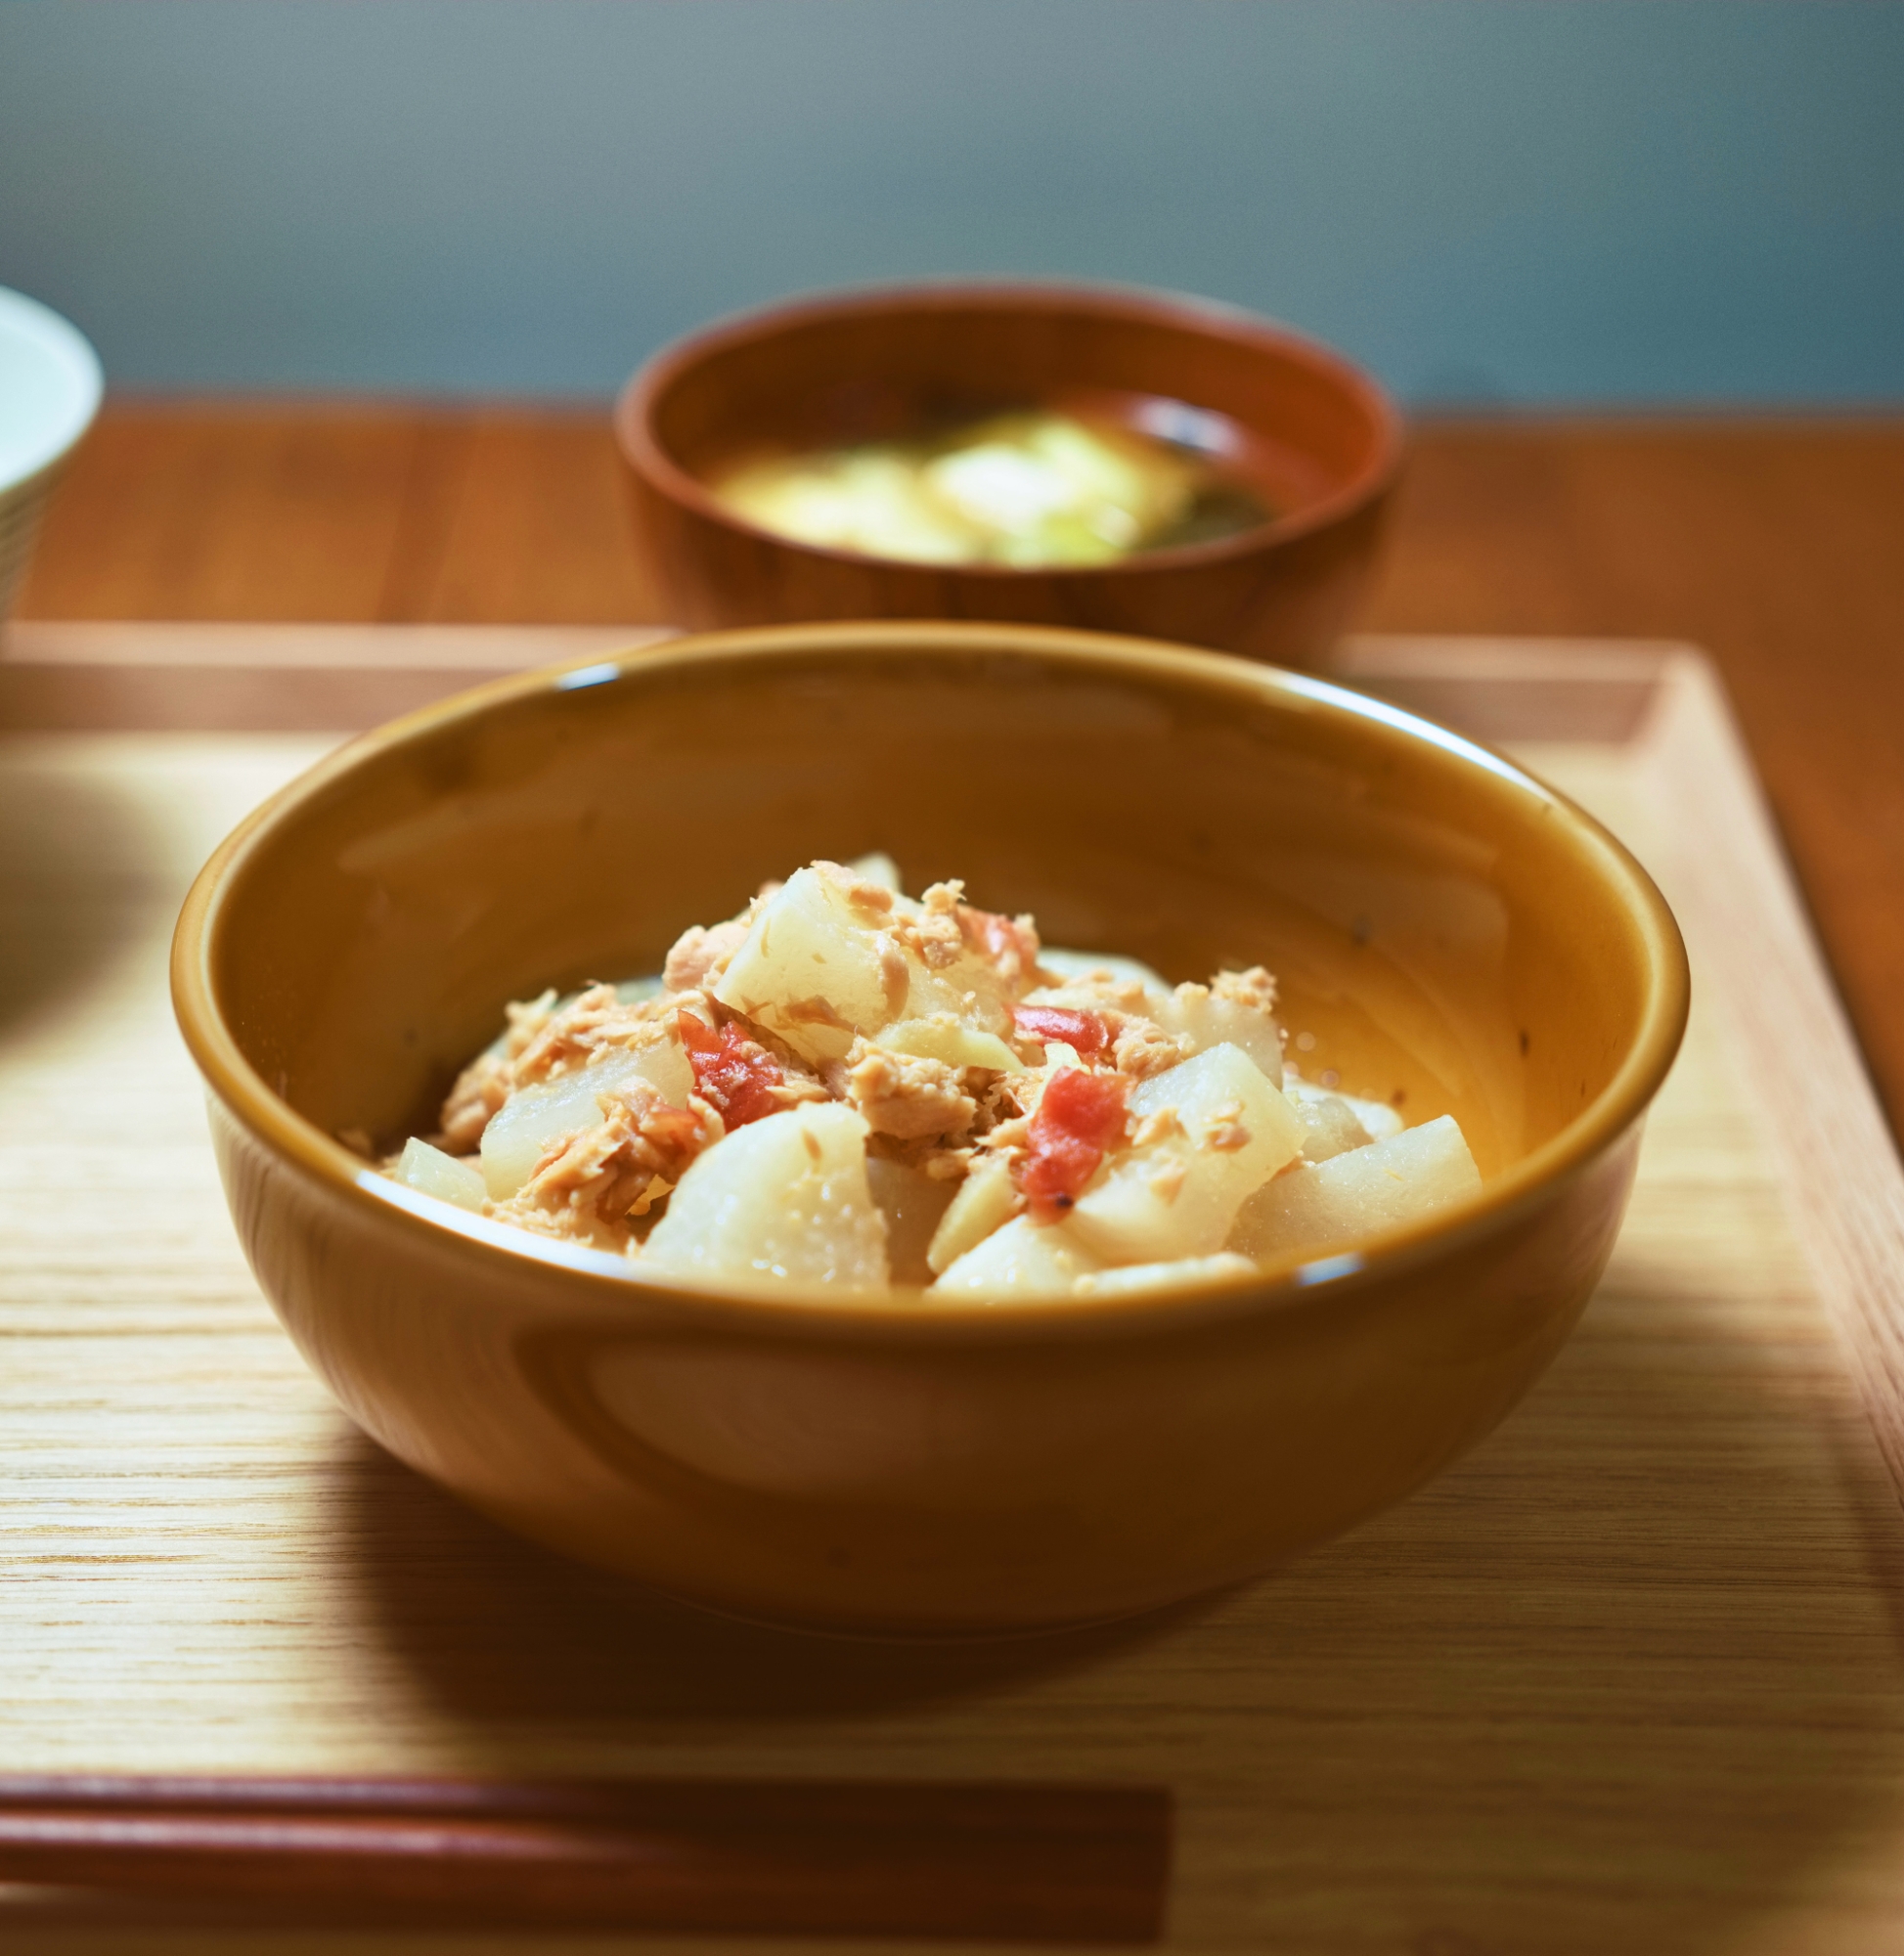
[(1313, 435), (1450, 931)]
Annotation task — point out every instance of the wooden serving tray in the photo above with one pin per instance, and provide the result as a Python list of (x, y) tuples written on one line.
[(1629, 1678)]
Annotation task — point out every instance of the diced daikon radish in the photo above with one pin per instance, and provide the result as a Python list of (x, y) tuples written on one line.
[(913, 1204), (1357, 1194), (430, 1172), (986, 1199), (1022, 1256), (1069, 965), (969, 990), (1329, 1124), (787, 1197), (812, 969), (1377, 1116), (534, 1117), (1156, 1276), (1176, 1194), (946, 1038), (877, 868), (1197, 1010)]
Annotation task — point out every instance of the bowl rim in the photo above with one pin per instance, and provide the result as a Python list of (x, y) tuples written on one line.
[(33, 323), (786, 1309), (641, 449)]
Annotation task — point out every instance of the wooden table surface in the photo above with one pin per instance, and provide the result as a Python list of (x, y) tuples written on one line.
[(1778, 546), (1630, 1677)]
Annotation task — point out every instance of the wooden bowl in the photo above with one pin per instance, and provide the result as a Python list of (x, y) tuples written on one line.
[(1315, 435), (1448, 931)]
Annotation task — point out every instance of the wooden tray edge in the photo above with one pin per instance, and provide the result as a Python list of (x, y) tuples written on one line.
[(1727, 877), (1732, 887), (1726, 874)]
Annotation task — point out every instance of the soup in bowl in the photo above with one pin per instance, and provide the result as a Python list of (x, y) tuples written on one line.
[(1123, 460)]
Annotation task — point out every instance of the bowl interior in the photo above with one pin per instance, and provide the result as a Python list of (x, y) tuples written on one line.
[(1273, 411), (1448, 935)]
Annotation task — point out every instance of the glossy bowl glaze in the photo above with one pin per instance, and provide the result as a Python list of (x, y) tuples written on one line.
[(50, 389), (1450, 934), (1311, 431)]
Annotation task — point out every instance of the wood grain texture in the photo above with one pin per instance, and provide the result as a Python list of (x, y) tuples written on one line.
[(232, 678), (231, 513), (1631, 1677), (1774, 548), (341, 513), (538, 529), (1716, 856), (1834, 1151), (1772, 544)]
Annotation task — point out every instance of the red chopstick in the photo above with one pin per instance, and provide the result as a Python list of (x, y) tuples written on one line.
[(969, 1860)]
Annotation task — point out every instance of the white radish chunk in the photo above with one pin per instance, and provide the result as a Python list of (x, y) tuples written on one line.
[(533, 1118), (1160, 1276), (1206, 1135), (969, 990), (1022, 1259), (946, 1038), (986, 1199), (814, 969), (787, 1197), (1070, 965), (1358, 1194), (1329, 1126), (877, 868), (913, 1204), (430, 1172), (1377, 1118), (1197, 1011)]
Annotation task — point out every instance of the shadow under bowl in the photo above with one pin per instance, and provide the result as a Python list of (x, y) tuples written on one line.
[(1450, 935), (1310, 435)]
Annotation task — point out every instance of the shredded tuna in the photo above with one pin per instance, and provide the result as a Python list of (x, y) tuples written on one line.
[(1008, 944), (1143, 1047), (589, 1182), (597, 1022), (699, 956), (905, 1095), (479, 1093), (870, 903), (1041, 1113), (1225, 1130), (1254, 988)]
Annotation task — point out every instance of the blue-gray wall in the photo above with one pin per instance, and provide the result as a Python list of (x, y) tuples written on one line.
[(1515, 201)]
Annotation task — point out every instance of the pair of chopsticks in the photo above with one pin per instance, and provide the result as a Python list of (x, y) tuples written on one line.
[(969, 1860)]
